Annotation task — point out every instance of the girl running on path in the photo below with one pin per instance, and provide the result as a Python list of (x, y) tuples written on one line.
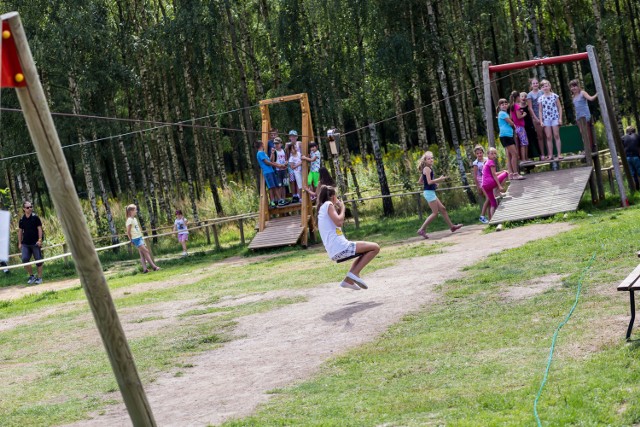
[(550, 112), (429, 184), (330, 219), (491, 179)]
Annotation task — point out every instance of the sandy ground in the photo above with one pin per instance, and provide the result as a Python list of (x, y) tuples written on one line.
[(287, 345)]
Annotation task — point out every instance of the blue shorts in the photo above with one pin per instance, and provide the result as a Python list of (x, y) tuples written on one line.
[(31, 250), (430, 195), (634, 165), (270, 180), (138, 241), (281, 176)]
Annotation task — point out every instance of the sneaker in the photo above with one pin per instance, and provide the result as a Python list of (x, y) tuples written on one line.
[(32, 279), (184, 253), (483, 219), (282, 202), (456, 227), (38, 281), (6, 271), (348, 285), (358, 281), (272, 204), (295, 199)]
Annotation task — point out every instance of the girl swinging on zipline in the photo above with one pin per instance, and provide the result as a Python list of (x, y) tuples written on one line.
[(330, 219)]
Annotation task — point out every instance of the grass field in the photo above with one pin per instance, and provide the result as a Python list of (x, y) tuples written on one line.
[(474, 357)]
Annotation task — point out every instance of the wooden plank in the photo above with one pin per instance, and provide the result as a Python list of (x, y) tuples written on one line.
[(631, 280), (282, 231), (543, 194)]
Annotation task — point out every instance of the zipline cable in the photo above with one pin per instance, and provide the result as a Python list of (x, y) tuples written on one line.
[(184, 123), (555, 336)]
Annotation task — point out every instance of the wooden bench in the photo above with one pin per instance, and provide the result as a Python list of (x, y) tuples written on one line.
[(631, 284)]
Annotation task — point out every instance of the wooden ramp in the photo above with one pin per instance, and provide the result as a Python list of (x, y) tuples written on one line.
[(282, 231), (543, 194)]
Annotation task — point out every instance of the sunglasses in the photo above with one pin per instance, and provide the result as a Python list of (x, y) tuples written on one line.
[(28, 207)]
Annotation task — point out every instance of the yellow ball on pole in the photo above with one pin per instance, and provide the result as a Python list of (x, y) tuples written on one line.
[(6, 34), (19, 77)]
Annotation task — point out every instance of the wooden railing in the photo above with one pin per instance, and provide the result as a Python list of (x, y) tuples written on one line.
[(208, 226)]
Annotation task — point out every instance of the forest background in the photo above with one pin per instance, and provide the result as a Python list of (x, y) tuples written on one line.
[(397, 77)]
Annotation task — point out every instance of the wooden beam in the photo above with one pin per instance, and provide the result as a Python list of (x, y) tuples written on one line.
[(297, 97), (606, 112), (76, 232), (488, 106)]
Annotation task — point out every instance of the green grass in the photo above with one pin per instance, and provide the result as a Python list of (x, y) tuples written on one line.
[(472, 358), (478, 359)]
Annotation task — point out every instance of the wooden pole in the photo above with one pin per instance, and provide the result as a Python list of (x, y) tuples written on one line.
[(241, 227), (606, 119), (264, 203), (63, 192), (216, 239), (306, 216), (488, 106)]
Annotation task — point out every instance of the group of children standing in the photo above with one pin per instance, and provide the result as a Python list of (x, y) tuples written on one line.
[(282, 167), (535, 116)]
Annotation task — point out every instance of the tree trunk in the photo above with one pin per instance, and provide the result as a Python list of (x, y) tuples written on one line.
[(606, 54), (105, 199), (243, 82), (182, 146), (402, 133), (175, 164), (275, 58), (568, 16), (84, 151), (193, 115), (536, 37), (417, 95), (627, 60), (447, 101)]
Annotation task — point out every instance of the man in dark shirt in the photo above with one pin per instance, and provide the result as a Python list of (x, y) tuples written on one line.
[(30, 241), (631, 143)]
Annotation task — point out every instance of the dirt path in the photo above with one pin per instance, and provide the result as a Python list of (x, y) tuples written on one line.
[(283, 346)]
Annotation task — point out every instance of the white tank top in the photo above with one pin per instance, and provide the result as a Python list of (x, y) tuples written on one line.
[(331, 235)]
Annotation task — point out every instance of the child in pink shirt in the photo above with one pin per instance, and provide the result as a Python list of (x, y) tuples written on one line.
[(491, 179)]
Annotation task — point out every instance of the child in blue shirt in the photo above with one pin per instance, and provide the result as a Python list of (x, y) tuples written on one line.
[(267, 167)]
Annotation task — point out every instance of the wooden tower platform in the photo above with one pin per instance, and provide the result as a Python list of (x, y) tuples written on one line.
[(543, 194), (300, 224)]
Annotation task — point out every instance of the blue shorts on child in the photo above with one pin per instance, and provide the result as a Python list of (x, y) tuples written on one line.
[(270, 180), (138, 241)]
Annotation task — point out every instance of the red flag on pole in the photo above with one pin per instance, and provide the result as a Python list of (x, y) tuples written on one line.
[(10, 69)]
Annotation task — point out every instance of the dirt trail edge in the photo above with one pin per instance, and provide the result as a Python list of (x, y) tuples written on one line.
[(287, 345)]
